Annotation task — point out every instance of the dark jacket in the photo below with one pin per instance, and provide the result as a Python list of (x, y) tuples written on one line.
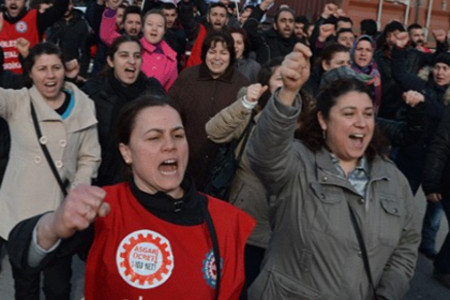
[(72, 37), (93, 15), (191, 25), (391, 103), (176, 38), (107, 105), (411, 159), (200, 97), (403, 133), (436, 173), (268, 44)]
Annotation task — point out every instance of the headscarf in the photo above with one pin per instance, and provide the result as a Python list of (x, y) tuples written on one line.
[(369, 74)]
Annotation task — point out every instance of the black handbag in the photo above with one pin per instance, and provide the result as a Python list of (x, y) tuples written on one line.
[(223, 168)]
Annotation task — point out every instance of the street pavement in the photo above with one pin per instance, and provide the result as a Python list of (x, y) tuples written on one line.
[(423, 286)]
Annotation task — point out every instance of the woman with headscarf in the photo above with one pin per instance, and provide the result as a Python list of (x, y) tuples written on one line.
[(365, 66)]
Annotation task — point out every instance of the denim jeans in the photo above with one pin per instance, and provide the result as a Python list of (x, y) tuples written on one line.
[(431, 223), (442, 261)]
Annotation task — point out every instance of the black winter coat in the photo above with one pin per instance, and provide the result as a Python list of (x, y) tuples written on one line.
[(107, 105), (73, 38), (268, 44), (413, 60), (436, 175), (411, 159)]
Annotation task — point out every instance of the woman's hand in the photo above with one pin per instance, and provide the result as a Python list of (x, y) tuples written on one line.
[(439, 35), (80, 208), (325, 30), (265, 4), (295, 67), (72, 68), (255, 91), (412, 98), (295, 72), (23, 46), (434, 197), (329, 10), (401, 39)]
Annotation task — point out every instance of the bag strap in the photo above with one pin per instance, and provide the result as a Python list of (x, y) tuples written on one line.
[(45, 150), (245, 135), (362, 246), (215, 243)]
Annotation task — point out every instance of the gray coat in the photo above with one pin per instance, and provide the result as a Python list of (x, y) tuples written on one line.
[(246, 192), (314, 252)]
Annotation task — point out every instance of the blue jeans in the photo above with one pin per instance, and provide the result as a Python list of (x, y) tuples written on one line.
[(442, 261), (431, 223)]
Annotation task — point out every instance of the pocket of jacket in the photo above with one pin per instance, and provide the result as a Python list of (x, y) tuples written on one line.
[(391, 220), (281, 287)]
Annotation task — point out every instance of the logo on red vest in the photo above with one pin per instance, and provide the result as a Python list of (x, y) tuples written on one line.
[(209, 268), (145, 259), (21, 27)]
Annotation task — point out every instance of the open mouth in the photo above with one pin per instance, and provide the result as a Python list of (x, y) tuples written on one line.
[(168, 167), (357, 139), (130, 71), (50, 84)]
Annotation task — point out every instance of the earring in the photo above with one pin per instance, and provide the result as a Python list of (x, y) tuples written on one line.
[(324, 134)]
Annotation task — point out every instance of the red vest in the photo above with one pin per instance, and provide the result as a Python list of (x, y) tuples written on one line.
[(137, 256), (26, 28)]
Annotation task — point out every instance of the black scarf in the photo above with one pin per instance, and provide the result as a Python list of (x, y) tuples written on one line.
[(127, 92), (184, 211)]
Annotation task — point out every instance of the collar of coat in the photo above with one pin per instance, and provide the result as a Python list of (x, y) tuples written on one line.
[(204, 74), (168, 52), (81, 117), (328, 174)]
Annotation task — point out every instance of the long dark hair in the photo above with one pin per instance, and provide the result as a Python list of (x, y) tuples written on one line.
[(311, 132), (115, 47)]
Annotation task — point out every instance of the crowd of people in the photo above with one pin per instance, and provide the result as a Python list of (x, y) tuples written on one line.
[(113, 119)]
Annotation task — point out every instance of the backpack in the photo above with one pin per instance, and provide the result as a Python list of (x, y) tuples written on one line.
[(223, 168)]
